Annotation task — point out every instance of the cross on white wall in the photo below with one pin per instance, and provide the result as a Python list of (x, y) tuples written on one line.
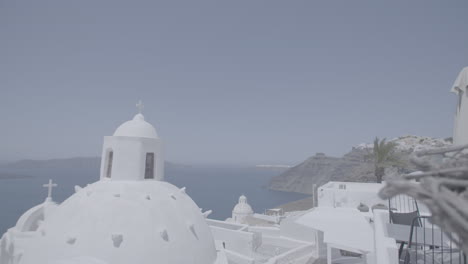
[(140, 106), (50, 185)]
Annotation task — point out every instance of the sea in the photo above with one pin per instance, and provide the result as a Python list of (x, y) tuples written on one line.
[(215, 188)]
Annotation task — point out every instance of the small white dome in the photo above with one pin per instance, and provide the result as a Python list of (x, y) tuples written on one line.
[(137, 127), (125, 222), (242, 207)]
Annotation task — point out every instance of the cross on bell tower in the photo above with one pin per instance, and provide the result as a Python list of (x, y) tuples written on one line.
[(50, 185), (140, 106)]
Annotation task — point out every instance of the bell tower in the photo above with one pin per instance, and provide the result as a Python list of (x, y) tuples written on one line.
[(133, 153)]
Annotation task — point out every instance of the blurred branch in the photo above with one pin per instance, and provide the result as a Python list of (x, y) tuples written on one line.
[(441, 150), (442, 187)]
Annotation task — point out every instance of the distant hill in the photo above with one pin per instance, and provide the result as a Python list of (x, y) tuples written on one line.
[(353, 166), (66, 163), (7, 176)]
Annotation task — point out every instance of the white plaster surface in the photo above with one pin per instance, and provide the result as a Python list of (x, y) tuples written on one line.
[(460, 88), (137, 127), (349, 194), (130, 144), (344, 227), (95, 216)]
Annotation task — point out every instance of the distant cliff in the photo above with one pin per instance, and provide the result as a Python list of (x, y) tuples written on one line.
[(353, 166), (66, 163), (9, 176)]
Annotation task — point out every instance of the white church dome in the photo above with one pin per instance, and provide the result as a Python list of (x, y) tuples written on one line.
[(137, 127), (242, 207), (123, 222)]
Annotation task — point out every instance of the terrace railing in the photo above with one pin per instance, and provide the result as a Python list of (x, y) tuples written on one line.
[(428, 244)]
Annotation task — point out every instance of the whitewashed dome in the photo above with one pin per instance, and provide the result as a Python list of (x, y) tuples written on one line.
[(137, 127), (242, 207), (123, 222)]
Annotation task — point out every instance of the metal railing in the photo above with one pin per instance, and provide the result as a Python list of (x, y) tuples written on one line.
[(403, 204), (428, 244)]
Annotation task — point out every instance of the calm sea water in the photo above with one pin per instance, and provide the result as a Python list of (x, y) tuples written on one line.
[(216, 189)]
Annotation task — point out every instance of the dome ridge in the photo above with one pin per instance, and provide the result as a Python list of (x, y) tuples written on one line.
[(137, 127)]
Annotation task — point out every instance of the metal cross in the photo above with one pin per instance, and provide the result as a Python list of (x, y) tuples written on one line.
[(50, 185), (140, 106)]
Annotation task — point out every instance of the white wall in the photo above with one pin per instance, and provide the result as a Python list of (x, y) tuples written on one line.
[(239, 241), (283, 242), (386, 250), (294, 255), (299, 232), (269, 218), (460, 130), (270, 231), (460, 88), (129, 157), (330, 195), (238, 258), (227, 225)]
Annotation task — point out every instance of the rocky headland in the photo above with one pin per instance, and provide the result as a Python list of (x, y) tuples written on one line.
[(353, 166)]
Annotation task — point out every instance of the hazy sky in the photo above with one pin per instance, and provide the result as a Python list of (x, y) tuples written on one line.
[(227, 81)]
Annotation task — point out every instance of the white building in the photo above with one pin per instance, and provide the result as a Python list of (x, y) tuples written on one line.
[(133, 142), (132, 216), (241, 211), (129, 216), (460, 130), (349, 194)]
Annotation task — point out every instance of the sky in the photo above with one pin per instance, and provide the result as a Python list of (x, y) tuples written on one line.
[(227, 82)]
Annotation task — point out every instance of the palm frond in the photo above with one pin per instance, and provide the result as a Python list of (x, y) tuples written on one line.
[(384, 152)]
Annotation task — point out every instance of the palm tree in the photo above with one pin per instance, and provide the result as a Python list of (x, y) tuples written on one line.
[(384, 156)]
